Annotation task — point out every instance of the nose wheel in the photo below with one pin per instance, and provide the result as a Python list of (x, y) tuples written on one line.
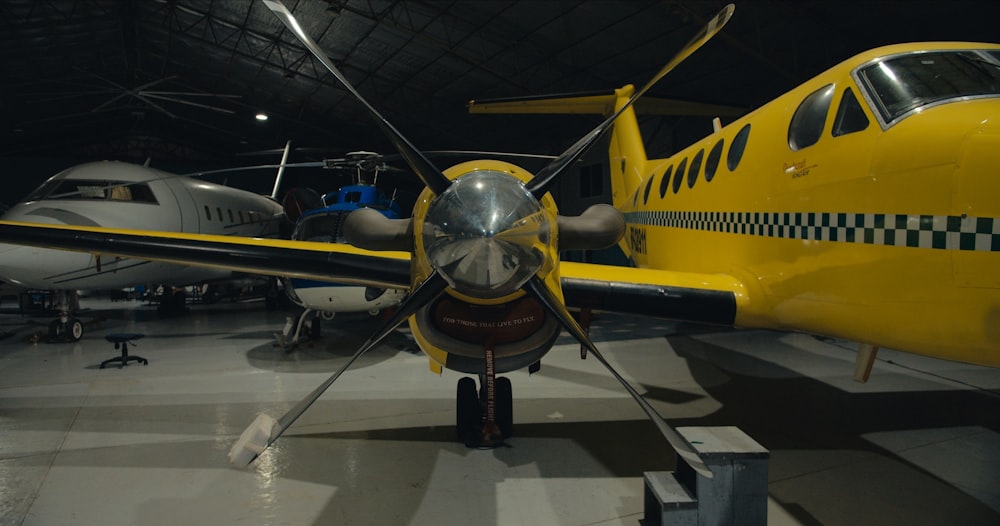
[(473, 426)]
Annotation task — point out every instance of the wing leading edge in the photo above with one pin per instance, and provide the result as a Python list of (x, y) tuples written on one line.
[(703, 298), (275, 257)]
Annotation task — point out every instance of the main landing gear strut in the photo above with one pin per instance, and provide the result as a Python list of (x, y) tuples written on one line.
[(484, 417)]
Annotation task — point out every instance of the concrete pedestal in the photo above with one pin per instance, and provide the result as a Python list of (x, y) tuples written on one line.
[(735, 496)]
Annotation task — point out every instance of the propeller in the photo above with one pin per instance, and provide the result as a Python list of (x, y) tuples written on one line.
[(539, 186), (538, 290), (265, 429), (425, 170), (486, 235)]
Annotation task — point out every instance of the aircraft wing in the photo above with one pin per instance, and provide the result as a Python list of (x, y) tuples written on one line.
[(275, 257), (705, 298), (689, 296)]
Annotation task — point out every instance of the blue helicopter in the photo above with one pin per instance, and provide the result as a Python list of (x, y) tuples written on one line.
[(321, 219)]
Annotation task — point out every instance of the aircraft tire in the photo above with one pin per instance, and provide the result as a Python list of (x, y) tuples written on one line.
[(468, 413), (505, 406), (70, 331), (74, 329)]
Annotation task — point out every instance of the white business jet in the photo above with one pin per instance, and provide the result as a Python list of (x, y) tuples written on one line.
[(122, 195)]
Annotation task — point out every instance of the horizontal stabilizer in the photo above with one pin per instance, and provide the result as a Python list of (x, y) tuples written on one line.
[(601, 103)]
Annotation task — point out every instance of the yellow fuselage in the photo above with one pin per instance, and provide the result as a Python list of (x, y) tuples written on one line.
[(887, 235)]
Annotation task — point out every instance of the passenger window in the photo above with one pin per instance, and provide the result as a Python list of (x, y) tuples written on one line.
[(695, 167), (680, 175), (807, 123), (736, 149), (714, 156), (231, 220), (665, 183), (208, 213), (218, 212), (649, 186), (850, 117)]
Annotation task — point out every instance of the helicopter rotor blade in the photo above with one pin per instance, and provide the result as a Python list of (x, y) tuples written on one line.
[(418, 162)]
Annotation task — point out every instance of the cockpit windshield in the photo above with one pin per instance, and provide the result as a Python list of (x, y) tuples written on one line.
[(323, 227), (901, 84), (94, 190)]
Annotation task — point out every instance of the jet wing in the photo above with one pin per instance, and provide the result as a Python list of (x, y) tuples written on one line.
[(689, 296), (336, 262)]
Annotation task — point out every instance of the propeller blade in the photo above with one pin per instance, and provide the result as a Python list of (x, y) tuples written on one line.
[(425, 170), (536, 288), (544, 178), (265, 429)]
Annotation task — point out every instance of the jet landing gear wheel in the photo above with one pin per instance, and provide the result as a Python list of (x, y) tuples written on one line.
[(471, 425), (70, 330)]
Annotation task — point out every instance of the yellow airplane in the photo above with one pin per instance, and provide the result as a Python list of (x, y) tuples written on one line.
[(858, 205), (863, 204)]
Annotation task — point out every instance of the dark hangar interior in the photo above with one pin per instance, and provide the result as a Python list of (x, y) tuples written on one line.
[(178, 82)]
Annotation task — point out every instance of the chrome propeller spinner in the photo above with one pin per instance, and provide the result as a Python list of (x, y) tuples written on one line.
[(486, 234)]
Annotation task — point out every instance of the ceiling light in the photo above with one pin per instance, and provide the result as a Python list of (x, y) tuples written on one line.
[(261, 116)]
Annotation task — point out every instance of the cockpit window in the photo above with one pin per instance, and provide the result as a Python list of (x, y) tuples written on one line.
[(95, 190), (850, 117), (901, 84), (807, 123), (324, 228)]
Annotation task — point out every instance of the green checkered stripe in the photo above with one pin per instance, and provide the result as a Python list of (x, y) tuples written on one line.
[(899, 230)]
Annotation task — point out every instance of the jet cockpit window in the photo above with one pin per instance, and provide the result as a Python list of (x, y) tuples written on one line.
[(807, 123), (95, 190), (900, 85)]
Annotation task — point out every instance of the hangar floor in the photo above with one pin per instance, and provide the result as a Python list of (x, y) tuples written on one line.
[(919, 444)]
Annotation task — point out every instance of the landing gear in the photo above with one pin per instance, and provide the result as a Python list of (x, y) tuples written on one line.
[(65, 329), (315, 330), (472, 425), (306, 325), (468, 412)]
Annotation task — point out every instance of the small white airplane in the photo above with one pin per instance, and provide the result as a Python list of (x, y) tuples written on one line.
[(123, 195)]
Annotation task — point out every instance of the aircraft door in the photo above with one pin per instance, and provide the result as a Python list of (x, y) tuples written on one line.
[(976, 211), (189, 217)]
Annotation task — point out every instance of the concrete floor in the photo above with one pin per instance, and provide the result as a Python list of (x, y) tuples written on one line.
[(919, 444)]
